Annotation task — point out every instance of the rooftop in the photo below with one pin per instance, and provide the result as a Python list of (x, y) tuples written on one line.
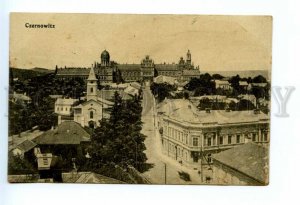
[(68, 132), (65, 101), (129, 67), (171, 67), (250, 159), (88, 177), (185, 111), (26, 145), (165, 79)]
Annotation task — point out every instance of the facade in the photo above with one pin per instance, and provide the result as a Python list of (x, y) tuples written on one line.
[(108, 71), (90, 112), (188, 134), (223, 84), (63, 106)]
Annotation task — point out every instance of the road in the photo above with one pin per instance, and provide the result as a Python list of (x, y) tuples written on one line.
[(156, 174)]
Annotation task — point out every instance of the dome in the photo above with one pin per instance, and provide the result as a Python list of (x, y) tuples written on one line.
[(105, 56)]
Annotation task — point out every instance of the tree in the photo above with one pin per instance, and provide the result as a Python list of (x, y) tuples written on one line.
[(162, 91), (18, 165), (204, 85), (259, 79), (118, 141), (217, 76), (245, 105)]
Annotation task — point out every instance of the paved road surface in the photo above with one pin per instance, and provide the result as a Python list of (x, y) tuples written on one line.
[(156, 174)]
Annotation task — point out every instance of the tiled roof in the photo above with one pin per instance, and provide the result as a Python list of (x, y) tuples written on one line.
[(259, 84), (192, 72), (26, 145), (166, 67), (68, 132), (20, 97), (185, 111), (65, 101), (136, 85), (129, 67), (222, 82), (88, 177), (165, 79), (244, 83), (250, 159), (73, 71), (131, 91)]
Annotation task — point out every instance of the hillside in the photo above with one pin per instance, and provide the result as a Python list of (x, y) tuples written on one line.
[(242, 74)]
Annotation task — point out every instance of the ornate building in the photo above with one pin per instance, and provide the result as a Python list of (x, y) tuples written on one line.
[(187, 133), (108, 71)]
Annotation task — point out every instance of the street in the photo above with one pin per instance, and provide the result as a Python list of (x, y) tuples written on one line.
[(162, 165)]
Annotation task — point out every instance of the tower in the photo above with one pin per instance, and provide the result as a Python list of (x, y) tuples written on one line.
[(105, 58), (188, 58), (91, 93)]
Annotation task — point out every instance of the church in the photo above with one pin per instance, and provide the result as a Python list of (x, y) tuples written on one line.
[(90, 112)]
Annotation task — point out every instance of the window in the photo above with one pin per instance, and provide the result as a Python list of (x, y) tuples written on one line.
[(57, 109), (91, 114), (229, 139), (265, 136), (253, 137), (195, 141), (221, 140), (209, 141), (66, 109), (92, 90), (238, 138), (45, 161)]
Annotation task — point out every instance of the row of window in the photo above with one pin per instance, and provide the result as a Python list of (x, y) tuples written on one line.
[(62, 109), (176, 135), (169, 73), (175, 150), (131, 74)]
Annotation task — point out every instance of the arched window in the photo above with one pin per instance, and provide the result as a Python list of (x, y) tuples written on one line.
[(92, 90), (91, 114)]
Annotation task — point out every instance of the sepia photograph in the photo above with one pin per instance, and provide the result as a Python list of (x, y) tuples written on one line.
[(139, 99)]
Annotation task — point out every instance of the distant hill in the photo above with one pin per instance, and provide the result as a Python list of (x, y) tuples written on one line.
[(42, 70), (24, 74), (242, 74)]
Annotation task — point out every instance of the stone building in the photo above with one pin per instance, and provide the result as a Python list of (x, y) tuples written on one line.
[(108, 71), (188, 134), (91, 111)]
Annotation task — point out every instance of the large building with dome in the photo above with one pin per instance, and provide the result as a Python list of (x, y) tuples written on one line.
[(109, 71)]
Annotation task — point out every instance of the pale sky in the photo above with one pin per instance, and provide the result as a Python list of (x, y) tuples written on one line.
[(216, 42)]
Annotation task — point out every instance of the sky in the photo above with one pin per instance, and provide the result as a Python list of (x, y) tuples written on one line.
[(217, 43)]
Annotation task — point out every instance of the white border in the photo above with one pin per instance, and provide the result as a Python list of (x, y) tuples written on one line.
[(284, 179)]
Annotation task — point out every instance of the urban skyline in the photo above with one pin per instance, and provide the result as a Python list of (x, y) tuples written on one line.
[(208, 37)]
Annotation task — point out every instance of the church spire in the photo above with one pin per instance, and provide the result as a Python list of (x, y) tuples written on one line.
[(92, 75), (91, 86)]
